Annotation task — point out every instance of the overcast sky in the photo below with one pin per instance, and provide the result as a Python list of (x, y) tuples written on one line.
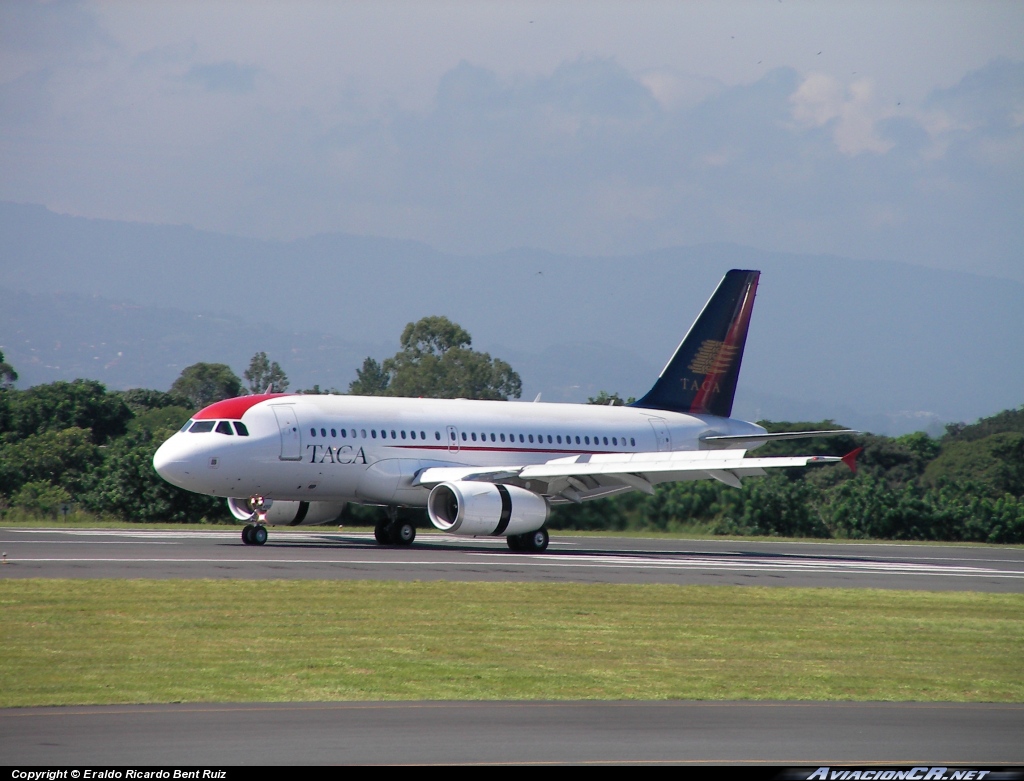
[(868, 130)]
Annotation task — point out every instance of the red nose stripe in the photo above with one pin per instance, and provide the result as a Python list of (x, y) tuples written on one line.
[(233, 409)]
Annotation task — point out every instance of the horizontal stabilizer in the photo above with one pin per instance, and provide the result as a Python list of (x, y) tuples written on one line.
[(780, 435)]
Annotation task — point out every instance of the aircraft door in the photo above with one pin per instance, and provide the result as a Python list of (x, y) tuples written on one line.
[(453, 439), (661, 433), (291, 436)]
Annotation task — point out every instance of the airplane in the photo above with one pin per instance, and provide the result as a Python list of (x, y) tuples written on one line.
[(481, 468)]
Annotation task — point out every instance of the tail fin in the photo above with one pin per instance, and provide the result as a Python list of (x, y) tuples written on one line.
[(701, 376)]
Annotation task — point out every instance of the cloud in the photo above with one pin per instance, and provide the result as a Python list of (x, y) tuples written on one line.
[(852, 112)]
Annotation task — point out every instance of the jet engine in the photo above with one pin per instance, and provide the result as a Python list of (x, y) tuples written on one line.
[(477, 509), (289, 513)]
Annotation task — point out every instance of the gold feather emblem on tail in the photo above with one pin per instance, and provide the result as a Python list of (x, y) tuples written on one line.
[(713, 357)]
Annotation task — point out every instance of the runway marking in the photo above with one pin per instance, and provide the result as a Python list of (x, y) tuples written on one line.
[(88, 542), (507, 562)]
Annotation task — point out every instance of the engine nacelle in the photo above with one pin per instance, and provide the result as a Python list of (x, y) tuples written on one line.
[(289, 513), (477, 509)]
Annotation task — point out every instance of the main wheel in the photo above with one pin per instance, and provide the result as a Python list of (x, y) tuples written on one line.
[(537, 541), (402, 533), (258, 535), (247, 534), (515, 542), (382, 533)]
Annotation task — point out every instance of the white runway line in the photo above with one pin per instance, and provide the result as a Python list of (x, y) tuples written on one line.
[(506, 562)]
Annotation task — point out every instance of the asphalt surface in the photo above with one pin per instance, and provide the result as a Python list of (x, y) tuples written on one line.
[(779, 733), (336, 555), (789, 733)]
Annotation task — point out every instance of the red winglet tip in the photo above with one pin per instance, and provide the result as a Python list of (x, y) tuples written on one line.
[(850, 459)]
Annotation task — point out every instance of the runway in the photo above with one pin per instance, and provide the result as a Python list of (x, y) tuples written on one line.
[(786, 733), (424, 733), (335, 554)]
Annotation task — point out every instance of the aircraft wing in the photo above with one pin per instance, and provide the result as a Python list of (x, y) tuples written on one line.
[(588, 476)]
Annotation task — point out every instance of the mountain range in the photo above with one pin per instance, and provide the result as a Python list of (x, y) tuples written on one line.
[(879, 345)]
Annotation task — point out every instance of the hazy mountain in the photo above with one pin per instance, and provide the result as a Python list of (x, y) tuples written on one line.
[(881, 345)]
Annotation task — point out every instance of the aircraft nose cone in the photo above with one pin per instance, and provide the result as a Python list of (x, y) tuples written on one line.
[(170, 464)]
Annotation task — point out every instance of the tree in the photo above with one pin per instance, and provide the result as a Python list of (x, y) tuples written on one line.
[(59, 405), (262, 374), (437, 361), (7, 374), (204, 383), (606, 399), (371, 380)]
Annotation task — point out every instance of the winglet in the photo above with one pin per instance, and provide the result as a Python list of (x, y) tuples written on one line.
[(850, 459)]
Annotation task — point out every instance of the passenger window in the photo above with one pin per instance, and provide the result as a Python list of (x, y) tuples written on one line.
[(344, 433), (362, 433), (240, 429), (605, 440), (502, 437), (373, 433), (463, 436), (632, 442), (393, 434), (493, 439), (558, 439), (334, 433), (202, 427), (312, 432), (323, 432), (223, 427), (437, 435), (586, 440), (531, 437), (473, 436), (615, 441), (423, 435), (577, 440)]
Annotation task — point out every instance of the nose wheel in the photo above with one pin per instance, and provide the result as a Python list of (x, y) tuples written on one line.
[(256, 533)]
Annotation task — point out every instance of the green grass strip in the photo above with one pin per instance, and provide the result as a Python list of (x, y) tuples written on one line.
[(128, 641)]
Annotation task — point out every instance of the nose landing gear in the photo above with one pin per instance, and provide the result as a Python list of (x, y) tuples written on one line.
[(256, 533)]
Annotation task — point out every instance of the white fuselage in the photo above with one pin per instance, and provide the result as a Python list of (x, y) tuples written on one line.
[(336, 448)]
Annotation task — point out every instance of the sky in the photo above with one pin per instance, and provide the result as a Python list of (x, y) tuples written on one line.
[(870, 130)]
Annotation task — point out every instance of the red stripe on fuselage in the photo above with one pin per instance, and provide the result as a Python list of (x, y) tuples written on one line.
[(464, 449)]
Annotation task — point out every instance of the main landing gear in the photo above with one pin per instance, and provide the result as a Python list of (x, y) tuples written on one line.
[(394, 531), (531, 542), (256, 533)]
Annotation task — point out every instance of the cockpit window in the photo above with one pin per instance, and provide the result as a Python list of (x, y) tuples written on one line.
[(187, 424), (202, 427), (240, 429), (223, 427)]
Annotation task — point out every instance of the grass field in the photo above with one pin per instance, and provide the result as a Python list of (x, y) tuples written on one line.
[(126, 641)]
